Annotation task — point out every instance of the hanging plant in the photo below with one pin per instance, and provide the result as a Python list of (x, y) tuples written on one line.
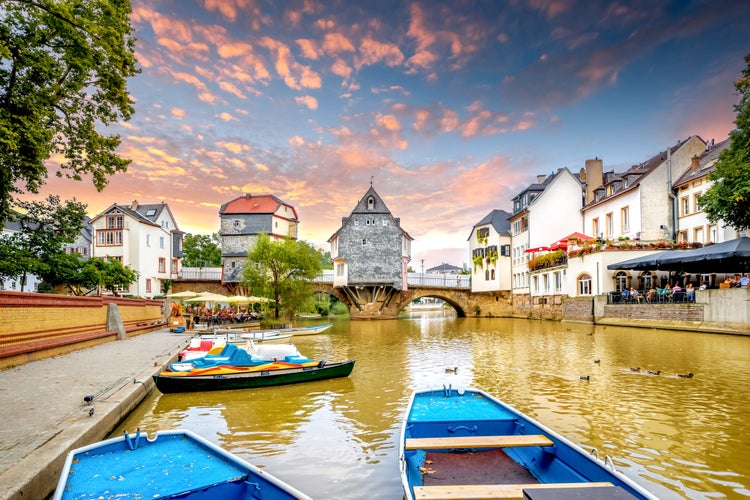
[(478, 261)]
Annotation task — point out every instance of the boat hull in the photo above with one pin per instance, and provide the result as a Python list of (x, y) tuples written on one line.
[(471, 445), (168, 382), (174, 464)]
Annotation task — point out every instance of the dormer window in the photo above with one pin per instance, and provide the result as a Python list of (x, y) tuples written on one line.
[(370, 203), (150, 212)]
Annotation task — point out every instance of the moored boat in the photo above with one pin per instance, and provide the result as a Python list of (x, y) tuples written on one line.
[(174, 464), (246, 356), (228, 378), (467, 444), (302, 330)]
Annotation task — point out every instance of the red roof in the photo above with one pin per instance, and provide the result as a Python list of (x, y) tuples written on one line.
[(261, 204)]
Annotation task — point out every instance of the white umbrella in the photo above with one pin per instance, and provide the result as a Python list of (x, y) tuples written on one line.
[(209, 297), (182, 295)]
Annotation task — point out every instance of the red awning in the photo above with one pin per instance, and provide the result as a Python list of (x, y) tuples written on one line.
[(563, 242), (537, 249)]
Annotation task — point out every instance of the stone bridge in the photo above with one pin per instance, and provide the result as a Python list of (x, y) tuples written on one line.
[(384, 302)]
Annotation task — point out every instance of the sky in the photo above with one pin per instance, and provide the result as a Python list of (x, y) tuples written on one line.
[(449, 108)]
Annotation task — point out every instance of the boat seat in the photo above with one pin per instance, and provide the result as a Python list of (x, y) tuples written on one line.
[(489, 491), (441, 443)]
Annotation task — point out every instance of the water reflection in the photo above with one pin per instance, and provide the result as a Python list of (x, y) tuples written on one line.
[(679, 437)]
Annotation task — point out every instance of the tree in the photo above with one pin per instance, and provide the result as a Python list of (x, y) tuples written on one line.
[(64, 66), (111, 274), (45, 226), (728, 199), (325, 259), (201, 250), (281, 271)]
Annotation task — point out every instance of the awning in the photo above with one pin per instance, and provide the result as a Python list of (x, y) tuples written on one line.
[(731, 256), (537, 249)]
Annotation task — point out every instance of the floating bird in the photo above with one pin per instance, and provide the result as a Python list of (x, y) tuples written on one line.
[(685, 375), (635, 368), (597, 361), (651, 372), (452, 370), (88, 399), (91, 412), (585, 377)]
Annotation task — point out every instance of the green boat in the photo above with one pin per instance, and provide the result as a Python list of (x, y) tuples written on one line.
[(168, 383)]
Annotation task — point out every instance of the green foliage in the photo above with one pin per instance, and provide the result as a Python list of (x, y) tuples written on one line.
[(63, 77), (325, 259), (201, 250), (323, 308), (110, 274), (281, 271), (339, 308), (728, 199), (37, 248)]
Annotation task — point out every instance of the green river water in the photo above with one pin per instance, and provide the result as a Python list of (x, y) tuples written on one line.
[(338, 439)]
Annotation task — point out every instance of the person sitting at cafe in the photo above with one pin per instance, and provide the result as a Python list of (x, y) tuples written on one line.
[(652, 296), (690, 292), (635, 296), (745, 280), (676, 288), (704, 286)]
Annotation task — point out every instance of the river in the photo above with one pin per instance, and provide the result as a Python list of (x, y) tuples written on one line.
[(338, 439)]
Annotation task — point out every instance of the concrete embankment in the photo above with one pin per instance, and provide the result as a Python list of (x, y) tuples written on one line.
[(44, 415)]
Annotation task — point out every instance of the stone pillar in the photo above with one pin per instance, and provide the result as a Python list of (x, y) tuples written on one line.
[(114, 321)]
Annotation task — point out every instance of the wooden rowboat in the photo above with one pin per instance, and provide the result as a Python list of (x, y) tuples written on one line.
[(251, 377), (459, 444), (174, 464)]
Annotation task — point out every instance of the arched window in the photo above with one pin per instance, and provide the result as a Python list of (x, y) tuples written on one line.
[(584, 284), (621, 281), (370, 203), (648, 280), (492, 274)]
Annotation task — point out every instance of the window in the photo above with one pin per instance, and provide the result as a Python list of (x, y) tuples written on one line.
[(162, 265), (364, 241), (535, 282), (161, 241), (545, 283), (595, 227), (610, 225), (558, 281), (505, 250), (173, 269), (621, 281), (339, 269), (108, 238), (370, 203), (236, 223), (385, 222), (648, 280), (685, 205), (697, 202), (492, 274), (150, 212), (682, 236), (698, 235), (114, 222), (148, 285), (486, 275), (148, 240), (584, 284), (625, 220)]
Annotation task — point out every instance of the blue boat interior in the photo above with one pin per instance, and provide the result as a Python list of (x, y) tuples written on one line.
[(450, 413), (232, 355), (172, 466)]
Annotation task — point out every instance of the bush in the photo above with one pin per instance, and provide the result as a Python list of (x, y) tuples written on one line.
[(322, 308), (339, 308)]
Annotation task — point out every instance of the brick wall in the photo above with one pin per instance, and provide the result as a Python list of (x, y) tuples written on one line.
[(660, 312), (36, 325), (578, 309)]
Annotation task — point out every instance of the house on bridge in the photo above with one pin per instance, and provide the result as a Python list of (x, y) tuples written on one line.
[(370, 254)]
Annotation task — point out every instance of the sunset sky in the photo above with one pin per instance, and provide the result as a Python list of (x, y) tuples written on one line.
[(450, 108)]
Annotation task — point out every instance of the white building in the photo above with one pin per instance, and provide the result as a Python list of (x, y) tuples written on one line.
[(544, 212), (144, 237), (693, 225), (489, 245)]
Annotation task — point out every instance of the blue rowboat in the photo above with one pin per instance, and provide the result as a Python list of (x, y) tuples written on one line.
[(465, 444), (175, 464)]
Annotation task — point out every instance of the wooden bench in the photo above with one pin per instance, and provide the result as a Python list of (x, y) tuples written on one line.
[(477, 442), (488, 491)]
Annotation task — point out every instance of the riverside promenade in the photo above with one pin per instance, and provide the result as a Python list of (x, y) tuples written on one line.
[(43, 414)]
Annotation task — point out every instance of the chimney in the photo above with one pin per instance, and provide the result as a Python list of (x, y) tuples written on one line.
[(695, 163), (582, 175), (134, 205), (594, 177), (540, 178)]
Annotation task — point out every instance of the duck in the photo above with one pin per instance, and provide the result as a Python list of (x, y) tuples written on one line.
[(635, 368), (452, 370), (651, 372), (597, 361), (685, 375), (585, 377)]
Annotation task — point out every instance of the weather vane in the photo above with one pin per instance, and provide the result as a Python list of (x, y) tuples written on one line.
[(371, 178)]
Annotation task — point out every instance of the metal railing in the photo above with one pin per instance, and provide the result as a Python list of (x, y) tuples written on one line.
[(200, 274), (443, 280)]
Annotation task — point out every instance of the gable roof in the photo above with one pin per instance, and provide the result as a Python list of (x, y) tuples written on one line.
[(378, 207), (147, 213), (498, 219), (707, 163), (632, 177), (258, 204)]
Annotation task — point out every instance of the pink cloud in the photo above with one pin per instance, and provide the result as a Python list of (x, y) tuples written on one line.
[(295, 75), (373, 52), (336, 43), (307, 101)]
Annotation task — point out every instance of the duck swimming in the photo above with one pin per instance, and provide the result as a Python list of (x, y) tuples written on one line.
[(685, 375)]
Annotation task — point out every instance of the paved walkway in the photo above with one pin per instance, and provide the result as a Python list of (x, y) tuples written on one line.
[(43, 414)]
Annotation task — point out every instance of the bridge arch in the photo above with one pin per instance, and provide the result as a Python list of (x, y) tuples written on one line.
[(446, 295)]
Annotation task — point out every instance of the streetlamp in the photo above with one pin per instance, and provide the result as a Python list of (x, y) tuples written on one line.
[(421, 281)]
